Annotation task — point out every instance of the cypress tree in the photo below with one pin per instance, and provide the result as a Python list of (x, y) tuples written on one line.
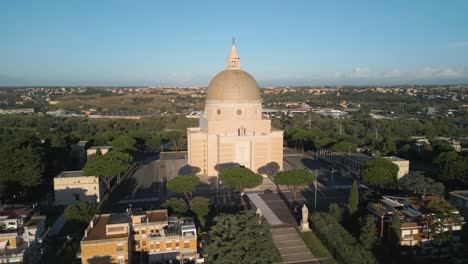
[(353, 202), (394, 236), (368, 234)]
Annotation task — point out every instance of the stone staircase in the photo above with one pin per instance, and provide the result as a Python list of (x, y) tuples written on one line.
[(291, 246)]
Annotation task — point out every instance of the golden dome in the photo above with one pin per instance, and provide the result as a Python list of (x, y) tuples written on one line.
[(233, 85)]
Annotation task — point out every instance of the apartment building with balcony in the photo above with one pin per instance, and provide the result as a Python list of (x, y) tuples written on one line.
[(152, 235), (18, 230), (416, 220)]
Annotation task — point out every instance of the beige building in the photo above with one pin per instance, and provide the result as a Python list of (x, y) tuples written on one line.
[(70, 186), (93, 150), (403, 165), (158, 238), (232, 129)]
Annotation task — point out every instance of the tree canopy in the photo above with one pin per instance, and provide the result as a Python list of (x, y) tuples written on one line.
[(353, 202), (368, 235), (452, 167), (201, 207), (175, 206), (295, 179), (339, 242), (183, 184), (240, 178), (387, 146), (379, 171), (108, 166), (20, 170), (124, 143), (80, 212), (344, 146), (415, 182), (239, 238)]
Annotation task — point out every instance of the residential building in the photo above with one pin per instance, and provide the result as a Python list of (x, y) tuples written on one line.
[(34, 229), (403, 165), (15, 236), (153, 235), (78, 153), (70, 186), (459, 199), (416, 220), (92, 150), (232, 130), (353, 162)]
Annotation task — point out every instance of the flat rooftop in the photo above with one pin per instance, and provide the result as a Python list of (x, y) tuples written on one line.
[(65, 174), (100, 147), (157, 216), (34, 221), (463, 193), (98, 232), (121, 218)]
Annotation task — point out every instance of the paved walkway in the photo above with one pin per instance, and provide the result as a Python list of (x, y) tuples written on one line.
[(285, 237), (267, 213)]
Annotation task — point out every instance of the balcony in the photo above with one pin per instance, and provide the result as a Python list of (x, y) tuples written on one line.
[(407, 237), (12, 255)]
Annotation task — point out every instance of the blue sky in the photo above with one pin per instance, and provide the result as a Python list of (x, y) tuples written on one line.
[(78, 42)]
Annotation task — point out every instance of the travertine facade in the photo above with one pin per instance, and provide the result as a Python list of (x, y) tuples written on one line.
[(232, 129), (70, 186)]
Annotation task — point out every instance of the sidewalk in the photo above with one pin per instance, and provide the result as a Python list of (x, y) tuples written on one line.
[(267, 213)]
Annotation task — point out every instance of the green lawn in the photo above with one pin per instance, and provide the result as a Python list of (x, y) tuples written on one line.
[(314, 244)]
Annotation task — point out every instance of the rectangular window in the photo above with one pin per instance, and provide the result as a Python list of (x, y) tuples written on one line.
[(177, 244), (168, 245), (157, 247), (415, 231), (116, 229), (143, 231), (406, 232), (186, 244)]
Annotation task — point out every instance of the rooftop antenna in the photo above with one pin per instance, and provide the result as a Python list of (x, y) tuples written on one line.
[(233, 41)]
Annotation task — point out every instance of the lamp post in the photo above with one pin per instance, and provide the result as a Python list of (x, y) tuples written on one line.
[(217, 195), (332, 171), (315, 202)]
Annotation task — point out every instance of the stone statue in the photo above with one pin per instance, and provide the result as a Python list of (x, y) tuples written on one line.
[(305, 213), (259, 212), (305, 219)]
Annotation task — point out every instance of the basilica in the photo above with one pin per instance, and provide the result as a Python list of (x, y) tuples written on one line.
[(232, 130)]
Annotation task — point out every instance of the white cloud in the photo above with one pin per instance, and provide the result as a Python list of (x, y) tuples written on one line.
[(394, 73), (430, 72), (360, 72)]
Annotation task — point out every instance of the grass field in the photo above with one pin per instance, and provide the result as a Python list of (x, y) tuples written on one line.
[(143, 102)]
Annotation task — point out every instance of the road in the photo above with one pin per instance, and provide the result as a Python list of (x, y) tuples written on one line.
[(144, 187), (295, 159), (140, 189)]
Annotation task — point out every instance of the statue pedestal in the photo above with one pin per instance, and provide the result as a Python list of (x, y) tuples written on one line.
[(304, 227)]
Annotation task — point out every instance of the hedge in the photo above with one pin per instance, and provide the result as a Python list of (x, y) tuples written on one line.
[(344, 247)]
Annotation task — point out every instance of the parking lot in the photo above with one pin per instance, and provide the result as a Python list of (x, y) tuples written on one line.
[(328, 175)]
